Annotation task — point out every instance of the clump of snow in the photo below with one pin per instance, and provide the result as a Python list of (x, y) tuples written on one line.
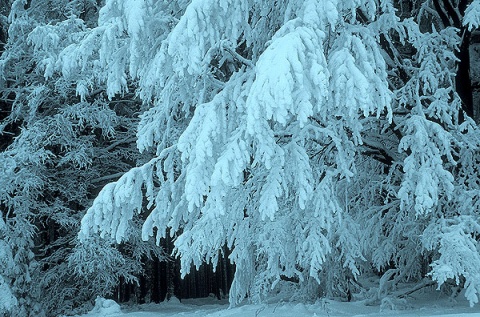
[(174, 300), (105, 307)]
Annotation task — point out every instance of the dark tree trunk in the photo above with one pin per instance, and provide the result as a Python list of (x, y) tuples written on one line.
[(463, 80), (162, 280), (155, 289)]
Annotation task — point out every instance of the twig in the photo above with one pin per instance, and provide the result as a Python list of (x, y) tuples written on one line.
[(107, 177), (117, 143), (238, 57), (217, 83)]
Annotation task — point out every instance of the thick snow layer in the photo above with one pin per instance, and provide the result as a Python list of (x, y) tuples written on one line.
[(431, 304)]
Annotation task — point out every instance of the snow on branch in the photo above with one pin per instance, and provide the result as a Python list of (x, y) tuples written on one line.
[(198, 30), (285, 72), (359, 79), (116, 203), (426, 180), (472, 15), (459, 255)]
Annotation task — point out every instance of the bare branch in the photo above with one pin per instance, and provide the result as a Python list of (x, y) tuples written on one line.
[(115, 144)]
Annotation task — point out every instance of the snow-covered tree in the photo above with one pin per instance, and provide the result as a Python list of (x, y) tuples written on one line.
[(315, 139), (59, 147)]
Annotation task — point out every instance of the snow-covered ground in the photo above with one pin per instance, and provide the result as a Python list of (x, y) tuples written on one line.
[(424, 304)]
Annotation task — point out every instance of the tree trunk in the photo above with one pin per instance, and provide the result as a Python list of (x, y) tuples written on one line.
[(463, 80)]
